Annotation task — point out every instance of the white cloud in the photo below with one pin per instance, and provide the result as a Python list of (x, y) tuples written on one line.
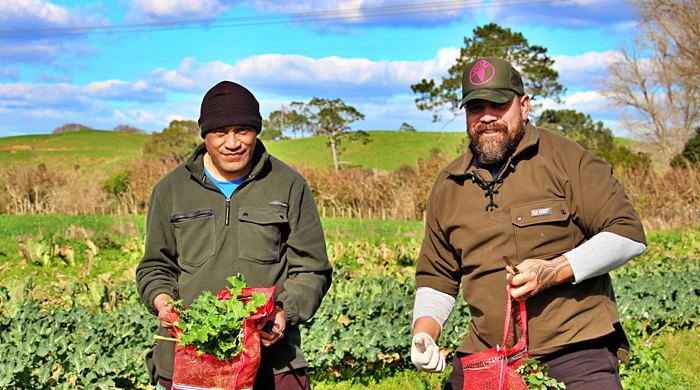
[(153, 117), (9, 73), (154, 10), (575, 13), (74, 97), (379, 89), (121, 90), (294, 75), (20, 95), (36, 13), (591, 102), (329, 13), (390, 113), (27, 113), (33, 51), (191, 76), (30, 43), (585, 70)]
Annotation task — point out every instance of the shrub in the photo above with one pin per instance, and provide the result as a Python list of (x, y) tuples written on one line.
[(131, 187), (406, 127), (128, 129), (71, 127), (28, 189), (174, 143), (593, 136), (690, 154)]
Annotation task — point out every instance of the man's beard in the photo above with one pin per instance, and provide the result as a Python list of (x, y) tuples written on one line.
[(494, 149)]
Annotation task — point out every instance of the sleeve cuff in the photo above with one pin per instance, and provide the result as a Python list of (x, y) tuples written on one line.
[(151, 296), (434, 304), (291, 311)]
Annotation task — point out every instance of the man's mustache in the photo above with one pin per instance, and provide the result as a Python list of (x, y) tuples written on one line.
[(496, 126)]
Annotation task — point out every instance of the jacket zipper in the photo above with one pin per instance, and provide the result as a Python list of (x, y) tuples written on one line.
[(228, 200)]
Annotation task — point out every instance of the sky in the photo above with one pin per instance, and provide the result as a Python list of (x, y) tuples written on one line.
[(145, 63)]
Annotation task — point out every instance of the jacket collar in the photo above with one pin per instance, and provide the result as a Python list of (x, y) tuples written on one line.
[(464, 163), (195, 164)]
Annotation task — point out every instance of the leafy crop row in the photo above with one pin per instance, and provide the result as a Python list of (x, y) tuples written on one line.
[(80, 327), (361, 330), (76, 347)]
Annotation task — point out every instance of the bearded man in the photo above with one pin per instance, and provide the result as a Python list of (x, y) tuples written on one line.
[(545, 202)]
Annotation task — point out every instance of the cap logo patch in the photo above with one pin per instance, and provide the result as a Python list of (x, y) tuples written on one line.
[(482, 72)]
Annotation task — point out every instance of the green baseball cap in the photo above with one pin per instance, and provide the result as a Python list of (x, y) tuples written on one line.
[(490, 78)]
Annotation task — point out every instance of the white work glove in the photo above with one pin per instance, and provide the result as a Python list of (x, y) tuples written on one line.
[(425, 354)]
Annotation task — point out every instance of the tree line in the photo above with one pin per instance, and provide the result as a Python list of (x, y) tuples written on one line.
[(659, 92), (653, 82)]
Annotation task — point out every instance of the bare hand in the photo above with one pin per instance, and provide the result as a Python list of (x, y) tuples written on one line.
[(279, 324), (166, 314), (535, 275)]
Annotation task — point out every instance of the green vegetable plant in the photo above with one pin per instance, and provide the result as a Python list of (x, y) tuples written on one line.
[(537, 377), (213, 323)]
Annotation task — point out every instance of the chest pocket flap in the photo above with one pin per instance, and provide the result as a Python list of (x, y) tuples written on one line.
[(539, 212), (260, 233), (543, 229), (262, 216), (195, 236)]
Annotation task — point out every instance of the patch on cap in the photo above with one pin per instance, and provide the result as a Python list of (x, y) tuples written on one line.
[(481, 73)]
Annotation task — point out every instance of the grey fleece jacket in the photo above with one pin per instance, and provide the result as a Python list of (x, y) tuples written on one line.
[(269, 231)]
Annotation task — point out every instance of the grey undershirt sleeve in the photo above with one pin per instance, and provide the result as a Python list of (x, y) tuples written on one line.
[(604, 252), (432, 303)]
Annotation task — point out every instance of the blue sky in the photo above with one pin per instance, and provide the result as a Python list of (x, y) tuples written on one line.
[(147, 62)]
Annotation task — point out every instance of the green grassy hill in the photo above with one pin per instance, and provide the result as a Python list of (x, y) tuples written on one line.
[(90, 150), (387, 150), (106, 151)]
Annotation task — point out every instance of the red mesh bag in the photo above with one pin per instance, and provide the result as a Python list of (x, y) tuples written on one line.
[(193, 371), (494, 369)]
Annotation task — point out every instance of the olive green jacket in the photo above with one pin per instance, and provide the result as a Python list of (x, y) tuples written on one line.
[(269, 231), (550, 197)]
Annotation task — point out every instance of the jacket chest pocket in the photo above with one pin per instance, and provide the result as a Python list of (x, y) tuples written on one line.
[(260, 233), (195, 236), (542, 229)]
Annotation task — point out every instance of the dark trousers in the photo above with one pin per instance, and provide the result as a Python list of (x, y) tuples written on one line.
[(291, 380), (588, 365)]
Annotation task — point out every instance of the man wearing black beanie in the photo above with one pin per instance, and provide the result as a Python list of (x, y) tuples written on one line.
[(232, 208)]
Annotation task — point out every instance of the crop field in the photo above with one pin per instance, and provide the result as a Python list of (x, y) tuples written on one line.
[(70, 316)]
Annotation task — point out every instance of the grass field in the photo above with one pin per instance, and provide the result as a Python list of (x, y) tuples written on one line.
[(681, 350), (41, 233), (92, 150), (106, 150), (387, 150), (371, 230), (335, 228)]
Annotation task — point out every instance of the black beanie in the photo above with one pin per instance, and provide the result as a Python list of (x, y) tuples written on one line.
[(229, 104)]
